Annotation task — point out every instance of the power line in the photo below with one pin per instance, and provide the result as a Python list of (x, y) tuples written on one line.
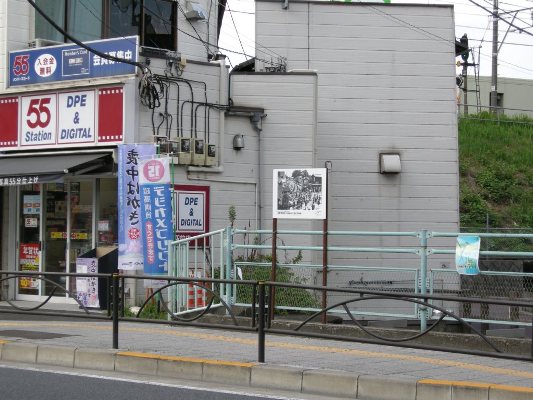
[(235, 26), (495, 15), (143, 67), (190, 23)]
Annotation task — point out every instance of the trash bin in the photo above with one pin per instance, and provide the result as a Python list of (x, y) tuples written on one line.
[(92, 292)]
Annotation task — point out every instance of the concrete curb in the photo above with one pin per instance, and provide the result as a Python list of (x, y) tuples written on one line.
[(312, 381)]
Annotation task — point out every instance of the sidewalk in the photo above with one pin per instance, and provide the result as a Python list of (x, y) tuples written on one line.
[(292, 363)]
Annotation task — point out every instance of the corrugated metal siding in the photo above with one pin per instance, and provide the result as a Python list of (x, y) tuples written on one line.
[(385, 83), (287, 139)]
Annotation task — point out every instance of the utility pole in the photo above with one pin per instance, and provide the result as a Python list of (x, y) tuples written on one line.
[(494, 81)]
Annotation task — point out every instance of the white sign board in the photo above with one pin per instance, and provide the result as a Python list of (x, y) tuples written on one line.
[(299, 193), (77, 111), (38, 120), (191, 212)]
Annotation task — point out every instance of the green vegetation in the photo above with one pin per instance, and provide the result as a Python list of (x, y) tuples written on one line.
[(151, 311), (496, 170)]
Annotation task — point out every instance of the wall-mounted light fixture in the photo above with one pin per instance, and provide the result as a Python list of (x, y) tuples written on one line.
[(238, 142), (390, 163)]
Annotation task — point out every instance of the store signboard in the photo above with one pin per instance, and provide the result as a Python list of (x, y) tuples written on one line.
[(70, 61), (130, 250), (299, 193), (77, 117), (191, 205), (156, 206), (62, 119)]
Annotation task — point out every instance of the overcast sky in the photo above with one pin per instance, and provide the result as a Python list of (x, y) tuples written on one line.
[(515, 58)]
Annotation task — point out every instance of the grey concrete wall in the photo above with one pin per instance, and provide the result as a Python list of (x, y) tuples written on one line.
[(516, 95)]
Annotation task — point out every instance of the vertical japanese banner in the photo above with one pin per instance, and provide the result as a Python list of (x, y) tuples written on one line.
[(87, 287), (156, 214), (130, 248)]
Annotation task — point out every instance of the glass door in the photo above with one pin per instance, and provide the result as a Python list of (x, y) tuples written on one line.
[(30, 238), (56, 226), (81, 223), (55, 235)]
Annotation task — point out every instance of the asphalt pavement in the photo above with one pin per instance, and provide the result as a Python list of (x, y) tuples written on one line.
[(327, 367)]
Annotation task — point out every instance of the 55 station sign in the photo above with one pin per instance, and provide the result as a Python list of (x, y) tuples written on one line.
[(92, 116)]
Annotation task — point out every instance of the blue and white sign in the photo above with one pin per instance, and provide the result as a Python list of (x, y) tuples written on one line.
[(156, 214), (467, 255), (76, 124), (130, 243), (70, 61)]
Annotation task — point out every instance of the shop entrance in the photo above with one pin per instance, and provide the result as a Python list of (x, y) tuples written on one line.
[(56, 225)]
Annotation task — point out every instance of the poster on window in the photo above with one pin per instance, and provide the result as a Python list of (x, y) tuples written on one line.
[(87, 287), (299, 193), (29, 261), (156, 214), (130, 248), (467, 255)]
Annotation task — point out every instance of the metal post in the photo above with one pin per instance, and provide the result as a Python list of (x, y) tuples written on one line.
[(465, 86), (229, 264), (532, 334), (254, 298), (272, 297), (261, 324), (325, 269), (423, 275), (494, 80), (327, 164), (115, 309)]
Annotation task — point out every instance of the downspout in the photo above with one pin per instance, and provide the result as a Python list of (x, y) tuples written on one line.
[(222, 97)]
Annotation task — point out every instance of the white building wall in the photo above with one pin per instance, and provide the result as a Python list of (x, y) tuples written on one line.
[(196, 37), (386, 83)]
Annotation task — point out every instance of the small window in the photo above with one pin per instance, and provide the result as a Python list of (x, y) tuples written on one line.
[(154, 21)]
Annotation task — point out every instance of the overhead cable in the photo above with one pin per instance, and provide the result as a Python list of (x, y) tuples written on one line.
[(144, 68)]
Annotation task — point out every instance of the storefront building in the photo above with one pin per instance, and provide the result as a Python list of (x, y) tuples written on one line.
[(320, 96)]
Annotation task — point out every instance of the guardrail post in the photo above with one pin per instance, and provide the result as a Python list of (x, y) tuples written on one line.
[(115, 309), (532, 335), (261, 324), (423, 311), (229, 265)]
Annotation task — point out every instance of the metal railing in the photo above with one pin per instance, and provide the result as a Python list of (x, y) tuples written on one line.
[(255, 318), (396, 262)]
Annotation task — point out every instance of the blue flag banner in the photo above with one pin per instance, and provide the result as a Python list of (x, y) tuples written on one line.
[(467, 255), (130, 249), (156, 214)]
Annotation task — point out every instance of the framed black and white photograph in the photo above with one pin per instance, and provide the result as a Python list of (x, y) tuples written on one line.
[(299, 193)]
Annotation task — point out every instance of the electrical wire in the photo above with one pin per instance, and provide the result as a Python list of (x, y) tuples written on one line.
[(144, 68), (495, 15), (192, 26), (235, 26)]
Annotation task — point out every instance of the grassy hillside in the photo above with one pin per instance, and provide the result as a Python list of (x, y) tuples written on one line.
[(496, 168)]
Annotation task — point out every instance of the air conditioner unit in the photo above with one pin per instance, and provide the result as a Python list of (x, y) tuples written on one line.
[(38, 42), (195, 12)]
